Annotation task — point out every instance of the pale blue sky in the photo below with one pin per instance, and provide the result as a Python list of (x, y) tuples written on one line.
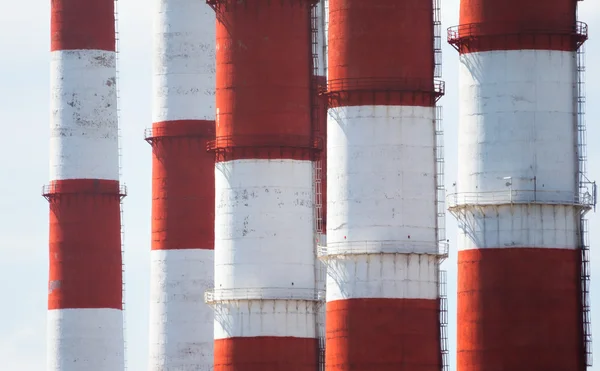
[(24, 107)]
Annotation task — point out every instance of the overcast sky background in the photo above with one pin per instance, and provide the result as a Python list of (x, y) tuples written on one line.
[(24, 145)]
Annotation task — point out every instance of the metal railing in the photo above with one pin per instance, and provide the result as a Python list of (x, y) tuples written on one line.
[(581, 127), (263, 141), (318, 199), (439, 180), (457, 35), (149, 134), (317, 21), (514, 196), (264, 293), (443, 296), (376, 84), (202, 131), (437, 39), (321, 352), (585, 292), (583, 232), (231, 3), (123, 284), (439, 249), (51, 190)]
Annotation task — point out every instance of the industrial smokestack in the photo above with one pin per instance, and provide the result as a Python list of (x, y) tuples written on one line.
[(265, 297), (85, 318), (521, 192), (385, 187), (181, 324)]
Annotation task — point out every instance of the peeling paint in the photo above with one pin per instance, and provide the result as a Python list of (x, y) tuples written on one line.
[(263, 239), (518, 138), (184, 61), (380, 163), (84, 127), (181, 324), (76, 335)]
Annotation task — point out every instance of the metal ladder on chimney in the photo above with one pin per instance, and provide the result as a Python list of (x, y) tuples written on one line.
[(120, 140)]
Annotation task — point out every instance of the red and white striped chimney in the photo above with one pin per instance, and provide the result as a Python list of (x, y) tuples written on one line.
[(265, 295), (183, 194), (521, 190), (383, 307), (85, 318)]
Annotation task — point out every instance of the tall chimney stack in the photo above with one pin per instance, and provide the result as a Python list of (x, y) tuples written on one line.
[(521, 193), (384, 187), (183, 186), (85, 317), (265, 296)]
